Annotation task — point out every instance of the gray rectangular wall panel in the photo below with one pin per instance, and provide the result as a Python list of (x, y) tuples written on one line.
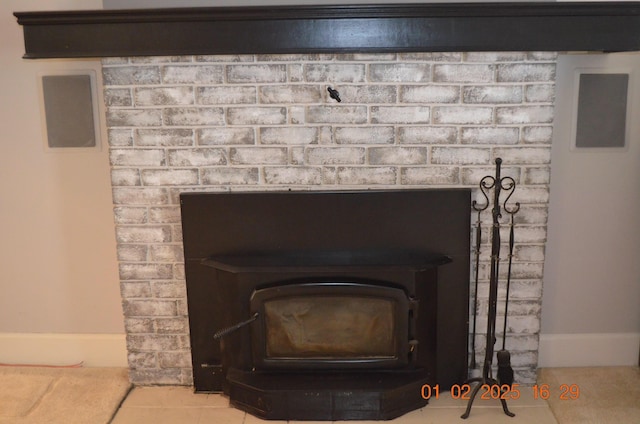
[(68, 104), (602, 110)]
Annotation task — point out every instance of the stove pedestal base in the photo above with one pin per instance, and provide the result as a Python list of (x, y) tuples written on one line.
[(327, 396)]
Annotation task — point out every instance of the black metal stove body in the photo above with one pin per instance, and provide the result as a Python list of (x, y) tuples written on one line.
[(349, 302)]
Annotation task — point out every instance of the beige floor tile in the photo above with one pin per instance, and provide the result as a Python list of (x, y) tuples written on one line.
[(315, 422), (160, 416), (217, 401), (252, 419), (222, 416), (524, 415), (608, 395), (176, 404), (173, 396), (489, 413), (428, 415)]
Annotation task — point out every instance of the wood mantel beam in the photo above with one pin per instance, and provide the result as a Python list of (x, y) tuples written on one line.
[(436, 27)]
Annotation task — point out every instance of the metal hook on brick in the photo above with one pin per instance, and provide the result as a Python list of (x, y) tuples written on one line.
[(334, 94)]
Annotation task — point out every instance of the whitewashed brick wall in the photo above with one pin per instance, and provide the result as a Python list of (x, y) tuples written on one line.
[(255, 123)]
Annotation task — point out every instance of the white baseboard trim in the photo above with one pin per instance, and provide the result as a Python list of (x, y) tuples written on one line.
[(589, 350), (93, 350)]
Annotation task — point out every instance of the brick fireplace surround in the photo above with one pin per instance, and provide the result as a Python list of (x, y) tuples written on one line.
[(226, 119), (266, 122)]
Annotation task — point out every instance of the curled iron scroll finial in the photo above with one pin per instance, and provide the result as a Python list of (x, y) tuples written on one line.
[(486, 184), (509, 185)]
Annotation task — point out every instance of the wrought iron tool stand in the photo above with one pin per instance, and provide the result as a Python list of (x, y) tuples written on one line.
[(498, 184)]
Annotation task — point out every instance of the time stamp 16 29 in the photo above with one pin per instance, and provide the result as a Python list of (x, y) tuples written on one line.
[(505, 392)]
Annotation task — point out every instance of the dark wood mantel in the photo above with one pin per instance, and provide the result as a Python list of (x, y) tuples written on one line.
[(592, 26)]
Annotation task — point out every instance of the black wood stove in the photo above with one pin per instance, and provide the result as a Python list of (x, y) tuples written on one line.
[(327, 306)]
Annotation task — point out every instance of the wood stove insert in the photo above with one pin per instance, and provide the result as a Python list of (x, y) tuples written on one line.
[(351, 300)]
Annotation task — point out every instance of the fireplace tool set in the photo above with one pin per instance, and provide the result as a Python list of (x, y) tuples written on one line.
[(497, 387)]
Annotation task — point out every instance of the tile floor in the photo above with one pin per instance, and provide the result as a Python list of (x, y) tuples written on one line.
[(172, 405), (608, 395)]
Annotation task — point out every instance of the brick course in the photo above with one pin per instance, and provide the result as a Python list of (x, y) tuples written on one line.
[(255, 123)]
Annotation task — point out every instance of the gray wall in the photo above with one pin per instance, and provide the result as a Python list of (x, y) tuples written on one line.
[(592, 269), (57, 254)]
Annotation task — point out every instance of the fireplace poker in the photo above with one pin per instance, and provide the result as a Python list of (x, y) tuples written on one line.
[(505, 371), (479, 209)]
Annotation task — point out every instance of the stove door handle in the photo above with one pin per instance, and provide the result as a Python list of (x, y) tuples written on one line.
[(220, 334)]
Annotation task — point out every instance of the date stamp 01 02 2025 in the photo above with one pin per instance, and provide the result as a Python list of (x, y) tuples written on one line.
[(506, 392)]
